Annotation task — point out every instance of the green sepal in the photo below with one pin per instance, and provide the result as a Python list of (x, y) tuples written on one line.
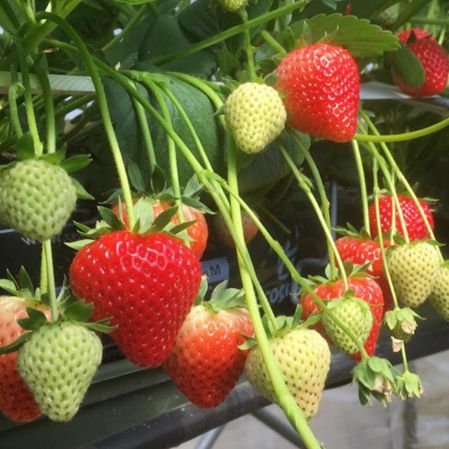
[(223, 298), (76, 163), (204, 285), (163, 219), (25, 147), (81, 192), (78, 311), (54, 158), (101, 326), (136, 177), (21, 287), (78, 244), (110, 218), (177, 229), (158, 181), (248, 344), (15, 345), (36, 319)]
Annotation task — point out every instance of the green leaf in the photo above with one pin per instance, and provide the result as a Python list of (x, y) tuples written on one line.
[(75, 163), (158, 182), (135, 176), (110, 218), (78, 311), (15, 345), (81, 192), (408, 67), (25, 147), (361, 38), (36, 319)]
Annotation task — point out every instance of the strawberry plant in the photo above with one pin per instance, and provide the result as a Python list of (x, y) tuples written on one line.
[(176, 115)]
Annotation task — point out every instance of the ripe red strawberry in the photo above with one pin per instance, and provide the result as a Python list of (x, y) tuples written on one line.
[(322, 89), (198, 231), (364, 288), (434, 60), (16, 400), (206, 361), (361, 251), (414, 223), (146, 283), (419, 33)]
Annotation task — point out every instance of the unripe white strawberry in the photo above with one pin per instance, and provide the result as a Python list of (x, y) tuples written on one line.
[(232, 5), (412, 268), (255, 115), (303, 356), (439, 299)]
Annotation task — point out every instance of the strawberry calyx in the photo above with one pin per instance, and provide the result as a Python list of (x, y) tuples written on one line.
[(351, 231), (402, 322), (375, 377), (221, 298), (22, 287), (409, 385)]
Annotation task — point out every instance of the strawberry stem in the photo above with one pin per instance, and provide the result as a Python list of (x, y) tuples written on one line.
[(248, 48), (50, 279), (13, 110), (146, 134), (174, 175), (404, 136), (103, 106), (270, 40), (322, 193), (43, 274), (230, 32), (362, 179), (303, 183), (388, 178), (403, 180), (29, 109), (376, 192), (49, 108)]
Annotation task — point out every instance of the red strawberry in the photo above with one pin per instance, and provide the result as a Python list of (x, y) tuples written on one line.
[(364, 288), (419, 33), (198, 231), (146, 283), (361, 251), (322, 89), (16, 400), (434, 60), (414, 223), (206, 362)]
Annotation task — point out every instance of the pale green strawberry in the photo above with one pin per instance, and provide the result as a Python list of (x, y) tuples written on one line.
[(412, 268), (255, 115), (389, 16), (232, 5), (58, 364), (440, 293), (36, 198), (356, 316), (303, 356)]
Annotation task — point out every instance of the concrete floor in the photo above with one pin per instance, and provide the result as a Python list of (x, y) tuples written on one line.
[(342, 423)]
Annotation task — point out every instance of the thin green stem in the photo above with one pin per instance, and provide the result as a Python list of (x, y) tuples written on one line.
[(13, 110), (248, 48), (146, 134), (325, 205), (104, 111), (404, 181), (405, 136), (270, 40), (376, 193), (303, 182), (43, 274), (50, 279), (29, 108), (293, 412), (363, 192), (49, 109), (129, 26), (429, 21), (230, 32)]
